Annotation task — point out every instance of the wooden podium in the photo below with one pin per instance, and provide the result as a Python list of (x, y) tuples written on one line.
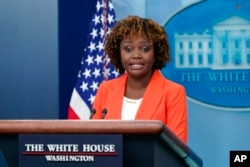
[(145, 143)]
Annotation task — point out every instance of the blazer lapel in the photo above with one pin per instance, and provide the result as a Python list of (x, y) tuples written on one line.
[(116, 94), (152, 97)]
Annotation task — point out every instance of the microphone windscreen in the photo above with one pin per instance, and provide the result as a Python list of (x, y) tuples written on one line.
[(92, 113), (104, 112)]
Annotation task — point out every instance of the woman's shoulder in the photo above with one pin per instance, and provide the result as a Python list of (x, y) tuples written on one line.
[(167, 83), (172, 83)]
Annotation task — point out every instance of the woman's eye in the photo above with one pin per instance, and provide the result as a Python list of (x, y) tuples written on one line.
[(128, 49), (145, 49)]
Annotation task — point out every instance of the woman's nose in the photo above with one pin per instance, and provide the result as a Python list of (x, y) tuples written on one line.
[(137, 54)]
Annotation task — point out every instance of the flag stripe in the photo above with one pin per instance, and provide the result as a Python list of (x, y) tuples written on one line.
[(79, 107)]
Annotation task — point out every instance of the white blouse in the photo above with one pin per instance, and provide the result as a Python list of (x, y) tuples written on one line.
[(130, 108)]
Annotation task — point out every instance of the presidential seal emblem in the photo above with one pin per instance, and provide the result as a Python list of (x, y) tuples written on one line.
[(210, 51)]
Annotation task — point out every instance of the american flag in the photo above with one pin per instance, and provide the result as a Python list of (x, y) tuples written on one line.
[(95, 66)]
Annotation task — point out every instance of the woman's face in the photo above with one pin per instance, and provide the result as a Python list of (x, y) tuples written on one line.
[(137, 56)]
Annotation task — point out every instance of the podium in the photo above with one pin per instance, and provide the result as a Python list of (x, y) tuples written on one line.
[(145, 143)]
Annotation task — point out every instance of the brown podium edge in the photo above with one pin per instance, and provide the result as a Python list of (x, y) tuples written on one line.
[(138, 127), (78, 126)]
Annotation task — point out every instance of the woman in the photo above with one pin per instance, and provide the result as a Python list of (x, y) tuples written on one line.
[(139, 49)]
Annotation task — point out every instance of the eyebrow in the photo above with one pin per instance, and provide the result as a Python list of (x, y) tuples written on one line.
[(130, 41)]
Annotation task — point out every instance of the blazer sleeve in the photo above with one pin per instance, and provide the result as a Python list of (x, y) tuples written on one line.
[(177, 113)]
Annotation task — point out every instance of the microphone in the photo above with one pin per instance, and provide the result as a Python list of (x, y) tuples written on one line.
[(104, 112), (92, 113)]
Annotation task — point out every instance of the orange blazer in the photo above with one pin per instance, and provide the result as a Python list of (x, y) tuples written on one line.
[(163, 100)]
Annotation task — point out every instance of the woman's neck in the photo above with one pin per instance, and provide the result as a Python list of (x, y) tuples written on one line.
[(135, 87)]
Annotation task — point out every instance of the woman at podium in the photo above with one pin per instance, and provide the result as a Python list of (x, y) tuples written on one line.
[(139, 49)]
